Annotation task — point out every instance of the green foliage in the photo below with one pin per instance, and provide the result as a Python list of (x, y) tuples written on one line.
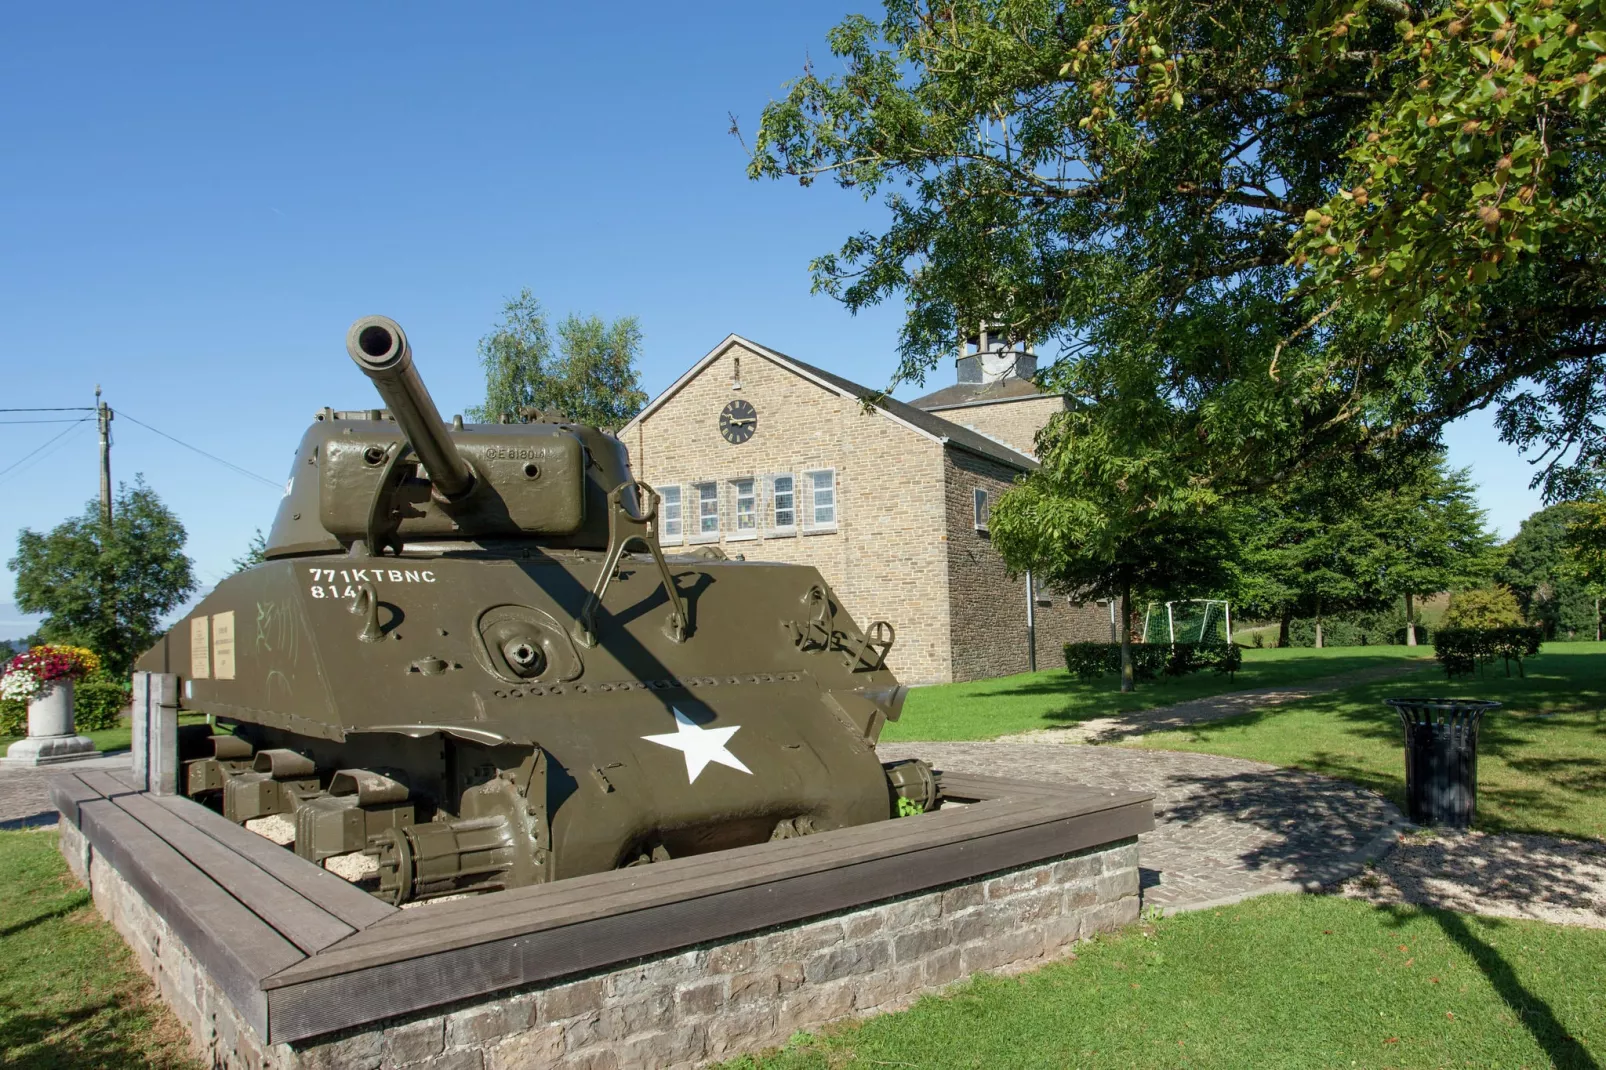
[(98, 703), (1355, 537), (106, 589), (13, 718), (1480, 153), (1140, 184), (592, 379), (1482, 607), (256, 552), (1385, 628), (1100, 519), (1089, 661), (1462, 650), (909, 808), (1541, 572)]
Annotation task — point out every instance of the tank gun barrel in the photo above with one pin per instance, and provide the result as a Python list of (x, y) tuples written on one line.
[(380, 349)]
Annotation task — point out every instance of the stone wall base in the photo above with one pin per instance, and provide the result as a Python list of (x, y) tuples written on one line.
[(709, 1003)]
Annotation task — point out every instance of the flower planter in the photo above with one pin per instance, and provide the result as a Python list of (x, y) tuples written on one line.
[(50, 730)]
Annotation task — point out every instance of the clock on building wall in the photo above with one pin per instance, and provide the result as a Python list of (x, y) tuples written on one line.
[(738, 421)]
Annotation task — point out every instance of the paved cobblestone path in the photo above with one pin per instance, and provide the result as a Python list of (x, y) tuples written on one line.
[(1225, 828), (25, 790), (1215, 708)]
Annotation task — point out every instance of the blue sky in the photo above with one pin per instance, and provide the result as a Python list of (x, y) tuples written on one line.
[(196, 200)]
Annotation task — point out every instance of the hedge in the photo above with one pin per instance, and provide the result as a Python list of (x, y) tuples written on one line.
[(97, 703), (1088, 661), (1462, 650)]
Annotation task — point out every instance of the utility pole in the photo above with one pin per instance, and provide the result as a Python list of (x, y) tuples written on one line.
[(103, 414)]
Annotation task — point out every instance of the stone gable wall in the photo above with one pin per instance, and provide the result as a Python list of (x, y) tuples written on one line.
[(886, 560), (989, 608), (1014, 423)]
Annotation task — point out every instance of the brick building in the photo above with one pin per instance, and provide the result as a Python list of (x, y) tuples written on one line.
[(774, 459)]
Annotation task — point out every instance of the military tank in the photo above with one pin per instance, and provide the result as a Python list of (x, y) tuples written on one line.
[(467, 655)]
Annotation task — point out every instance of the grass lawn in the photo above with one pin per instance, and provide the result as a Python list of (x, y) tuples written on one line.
[(984, 709), (1290, 981), (1541, 756), (71, 995)]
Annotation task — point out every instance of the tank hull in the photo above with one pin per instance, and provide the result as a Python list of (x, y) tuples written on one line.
[(635, 748)]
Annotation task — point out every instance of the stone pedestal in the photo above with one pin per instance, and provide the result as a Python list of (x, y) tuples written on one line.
[(50, 731)]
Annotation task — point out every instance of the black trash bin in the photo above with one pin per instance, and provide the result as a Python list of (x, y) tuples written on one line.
[(1441, 758)]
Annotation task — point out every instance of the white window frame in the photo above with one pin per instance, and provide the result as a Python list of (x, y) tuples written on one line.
[(772, 528), (737, 532), (702, 535), (678, 535), (981, 507), (813, 525)]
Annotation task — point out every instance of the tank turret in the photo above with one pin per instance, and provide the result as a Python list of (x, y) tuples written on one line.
[(380, 349), (468, 657)]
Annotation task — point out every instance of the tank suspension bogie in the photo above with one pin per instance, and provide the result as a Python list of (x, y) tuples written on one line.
[(359, 806)]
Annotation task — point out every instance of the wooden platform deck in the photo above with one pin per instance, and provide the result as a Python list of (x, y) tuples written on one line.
[(300, 952)]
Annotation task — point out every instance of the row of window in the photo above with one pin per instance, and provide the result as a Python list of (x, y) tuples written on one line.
[(776, 505)]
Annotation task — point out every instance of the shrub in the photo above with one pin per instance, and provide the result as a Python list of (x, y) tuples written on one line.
[(13, 718), (1463, 650), (1088, 661), (98, 701), (1483, 608)]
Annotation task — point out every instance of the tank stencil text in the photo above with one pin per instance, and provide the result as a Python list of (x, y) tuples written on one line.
[(335, 577)]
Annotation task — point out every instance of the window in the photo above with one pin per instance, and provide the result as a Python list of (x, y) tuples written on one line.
[(783, 505), (746, 509), (983, 509), (669, 514), (821, 507), (707, 511)]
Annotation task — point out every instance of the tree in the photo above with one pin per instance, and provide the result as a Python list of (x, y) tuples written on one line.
[(256, 552), (1585, 541), (1312, 549), (1433, 536), (106, 588), (591, 380), (1483, 607), (1536, 570), (1358, 536), (1312, 227), (1096, 524)]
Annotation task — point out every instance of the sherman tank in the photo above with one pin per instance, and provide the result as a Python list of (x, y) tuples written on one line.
[(467, 655)]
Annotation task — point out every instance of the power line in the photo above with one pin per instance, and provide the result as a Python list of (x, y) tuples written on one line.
[(196, 449), (59, 408), (15, 464), (63, 420)]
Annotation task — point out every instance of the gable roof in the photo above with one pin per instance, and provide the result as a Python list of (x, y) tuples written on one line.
[(962, 394), (921, 422)]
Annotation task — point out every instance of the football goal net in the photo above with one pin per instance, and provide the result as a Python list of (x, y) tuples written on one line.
[(1196, 620)]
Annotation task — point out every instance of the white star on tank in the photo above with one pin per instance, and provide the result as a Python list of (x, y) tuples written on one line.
[(699, 745)]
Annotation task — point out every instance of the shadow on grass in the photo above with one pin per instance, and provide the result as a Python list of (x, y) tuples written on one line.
[(1536, 1015), (67, 1040), (61, 910)]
